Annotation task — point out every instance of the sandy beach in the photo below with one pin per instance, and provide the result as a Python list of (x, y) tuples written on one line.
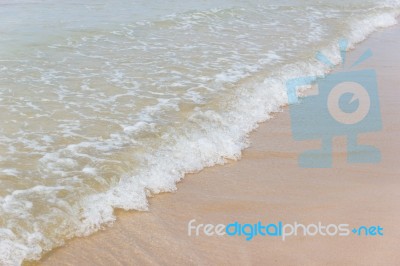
[(268, 185)]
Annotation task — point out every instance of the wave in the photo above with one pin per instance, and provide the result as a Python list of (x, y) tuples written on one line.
[(209, 136)]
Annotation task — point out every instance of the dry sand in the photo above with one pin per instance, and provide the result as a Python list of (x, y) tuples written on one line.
[(268, 185)]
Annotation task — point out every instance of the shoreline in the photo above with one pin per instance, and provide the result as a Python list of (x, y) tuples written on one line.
[(268, 184)]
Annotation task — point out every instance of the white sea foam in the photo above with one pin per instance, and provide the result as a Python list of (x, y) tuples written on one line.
[(132, 108)]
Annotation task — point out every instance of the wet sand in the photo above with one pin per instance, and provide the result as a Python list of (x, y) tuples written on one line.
[(268, 185)]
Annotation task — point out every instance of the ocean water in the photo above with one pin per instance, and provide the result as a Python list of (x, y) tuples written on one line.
[(106, 103)]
